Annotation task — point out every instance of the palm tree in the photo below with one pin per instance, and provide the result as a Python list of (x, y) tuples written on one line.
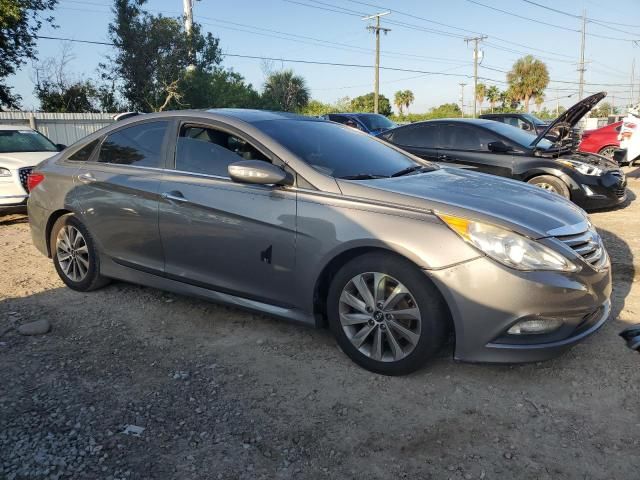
[(481, 92), (286, 91), (408, 99), (493, 95), (527, 78), (538, 100), (398, 100)]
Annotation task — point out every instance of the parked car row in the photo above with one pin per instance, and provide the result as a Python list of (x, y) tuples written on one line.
[(323, 224)]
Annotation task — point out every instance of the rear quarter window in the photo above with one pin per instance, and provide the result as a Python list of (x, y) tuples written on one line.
[(85, 152)]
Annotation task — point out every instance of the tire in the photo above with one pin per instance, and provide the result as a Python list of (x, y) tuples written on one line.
[(551, 184), (608, 151), (405, 340), (75, 256)]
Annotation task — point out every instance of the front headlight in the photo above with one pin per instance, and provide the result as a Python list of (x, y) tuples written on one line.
[(5, 172), (507, 247), (583, 168)]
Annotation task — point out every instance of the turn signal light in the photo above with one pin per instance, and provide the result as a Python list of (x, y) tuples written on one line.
[(33, 180)]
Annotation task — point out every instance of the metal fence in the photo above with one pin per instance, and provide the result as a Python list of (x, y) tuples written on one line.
[(65, 128)]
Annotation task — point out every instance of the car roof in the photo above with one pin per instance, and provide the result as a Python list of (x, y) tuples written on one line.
[(15, 127), (462, 121), (252, 116)]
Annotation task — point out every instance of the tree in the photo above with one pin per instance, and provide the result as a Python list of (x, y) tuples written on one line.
[(481, 92), (604, 110), (538, 99), (218, 89), (153, 55), (528, 77), (364, 103), (20, 21), (493, 95), (408, 99), (398, 100), (285, 91)]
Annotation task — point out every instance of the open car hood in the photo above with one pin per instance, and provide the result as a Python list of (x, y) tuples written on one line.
[(561, 127)]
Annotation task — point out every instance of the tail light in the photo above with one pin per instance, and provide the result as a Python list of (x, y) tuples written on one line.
[(629, 125), (33, 180)]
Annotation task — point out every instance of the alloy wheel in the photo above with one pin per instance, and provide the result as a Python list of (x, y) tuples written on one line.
[(608, 152), (380, 316), (72, 253)]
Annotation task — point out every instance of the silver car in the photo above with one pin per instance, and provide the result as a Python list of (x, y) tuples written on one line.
[(322, 224)]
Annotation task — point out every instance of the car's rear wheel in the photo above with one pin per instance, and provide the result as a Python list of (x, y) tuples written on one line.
[(386, 314), (551, 184), (608, 151), (75, 256)]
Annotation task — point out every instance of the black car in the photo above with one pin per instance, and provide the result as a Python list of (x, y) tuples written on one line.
[(589, 180), (371, 123), (523, 121)]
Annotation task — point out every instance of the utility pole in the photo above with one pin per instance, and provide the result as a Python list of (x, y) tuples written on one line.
[(462, 85), (475, 41), (581, 67), (633, 71), (376, 29), (188, 27)]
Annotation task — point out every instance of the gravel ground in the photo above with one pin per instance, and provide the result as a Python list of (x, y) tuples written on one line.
[(221, 393)]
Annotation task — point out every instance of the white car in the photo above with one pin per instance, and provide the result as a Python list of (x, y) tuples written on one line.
[(21, 148)]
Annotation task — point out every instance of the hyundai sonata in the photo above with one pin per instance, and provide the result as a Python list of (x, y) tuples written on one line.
[(316, 222)]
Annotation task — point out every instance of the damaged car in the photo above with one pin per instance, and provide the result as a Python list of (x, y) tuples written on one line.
[(549, 160)]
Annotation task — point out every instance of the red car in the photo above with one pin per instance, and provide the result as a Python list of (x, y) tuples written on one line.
[(602, 140)]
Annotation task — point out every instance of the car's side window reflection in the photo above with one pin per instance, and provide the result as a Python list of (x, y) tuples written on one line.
[(210, 151), (140, 145)]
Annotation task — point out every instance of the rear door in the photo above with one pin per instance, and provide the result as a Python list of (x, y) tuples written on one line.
[(421, 139), (117, 191), (466, 146), (218, 234)]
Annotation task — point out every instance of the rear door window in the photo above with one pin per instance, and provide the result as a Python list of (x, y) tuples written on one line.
[(422, 136), (210, 151), (139, 145), (465, 137)]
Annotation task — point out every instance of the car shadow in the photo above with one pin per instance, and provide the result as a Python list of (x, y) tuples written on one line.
[(13, 218)]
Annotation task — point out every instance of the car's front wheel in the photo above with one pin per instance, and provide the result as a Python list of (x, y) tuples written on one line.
[(74, 255), (551, 184), (386, 314), (608, 151)]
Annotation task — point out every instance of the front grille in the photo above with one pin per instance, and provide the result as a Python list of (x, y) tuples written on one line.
[(588, 245), (23, 173), (620, 191)]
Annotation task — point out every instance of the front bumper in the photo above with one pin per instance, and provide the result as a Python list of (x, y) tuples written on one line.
[(608, 190), (12, 189), (486, 299)]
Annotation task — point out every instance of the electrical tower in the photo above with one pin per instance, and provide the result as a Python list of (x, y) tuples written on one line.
[(475, 41), (376, 29)]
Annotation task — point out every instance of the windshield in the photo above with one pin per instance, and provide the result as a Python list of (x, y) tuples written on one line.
[(517, 135), (533, 119), (13, 141), (375, 121), (337, 150)]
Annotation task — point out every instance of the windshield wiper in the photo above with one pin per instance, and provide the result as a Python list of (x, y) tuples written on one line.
[(408, 170), (363, 176)]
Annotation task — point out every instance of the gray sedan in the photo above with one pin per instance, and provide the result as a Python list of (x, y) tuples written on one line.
[(321, 224)]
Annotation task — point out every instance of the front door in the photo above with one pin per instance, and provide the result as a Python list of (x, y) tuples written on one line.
[(226, 236), (117, 191), (466, 146)]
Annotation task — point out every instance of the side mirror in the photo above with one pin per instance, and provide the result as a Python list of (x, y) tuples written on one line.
[(60, 146), (498, 147), (259, 172)]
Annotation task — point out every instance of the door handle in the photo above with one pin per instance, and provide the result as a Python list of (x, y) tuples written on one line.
[(174, 196), (86, 177)]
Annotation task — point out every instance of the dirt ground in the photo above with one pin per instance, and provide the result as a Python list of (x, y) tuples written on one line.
[(222, 393)]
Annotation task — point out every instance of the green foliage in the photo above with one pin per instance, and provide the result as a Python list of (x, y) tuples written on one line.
[(218, 89), (446, 110), (403, 99), (152, 56), (527, 78), (316, 108), (604, 109), (285, 91), (364, 104), (77, 97), (20, 21), (493, 95), (481, 93)]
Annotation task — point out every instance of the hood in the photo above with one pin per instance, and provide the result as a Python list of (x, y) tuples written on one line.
[(570, 118), (592, 159), (15, 160), (524, 208)]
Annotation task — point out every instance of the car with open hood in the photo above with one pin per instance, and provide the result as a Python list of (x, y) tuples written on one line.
[(548, 160), (320, 223)]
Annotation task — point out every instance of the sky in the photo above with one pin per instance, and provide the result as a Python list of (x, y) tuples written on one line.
[(426, 37)]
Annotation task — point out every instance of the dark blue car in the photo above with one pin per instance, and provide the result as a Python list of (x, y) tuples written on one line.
[(371, 123)]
